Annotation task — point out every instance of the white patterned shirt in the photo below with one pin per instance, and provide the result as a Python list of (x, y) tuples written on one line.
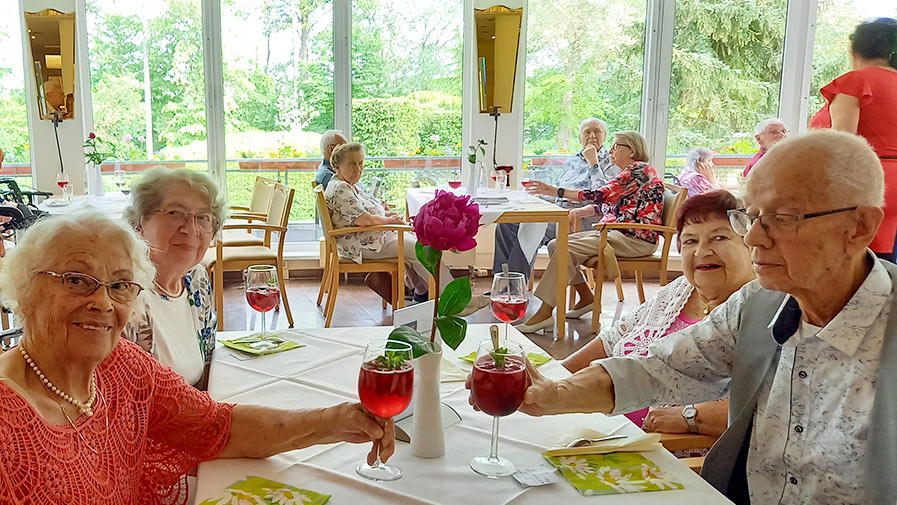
[(808, 441), (346, 204)]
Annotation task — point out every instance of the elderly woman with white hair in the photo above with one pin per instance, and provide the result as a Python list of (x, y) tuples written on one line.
[(329, 140), (88, 418), (697, 176), (177, 212)]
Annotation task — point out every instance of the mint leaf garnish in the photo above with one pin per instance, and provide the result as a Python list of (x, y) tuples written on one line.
[(389, 361), (498, 357)]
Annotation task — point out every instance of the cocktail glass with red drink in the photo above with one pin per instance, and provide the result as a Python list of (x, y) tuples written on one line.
[(263, 294), (62, 180), (508, 297), (497, 388), (454, 181), (385, 384)]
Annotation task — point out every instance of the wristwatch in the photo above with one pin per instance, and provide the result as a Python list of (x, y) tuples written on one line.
[(689, 412), (560, 192)]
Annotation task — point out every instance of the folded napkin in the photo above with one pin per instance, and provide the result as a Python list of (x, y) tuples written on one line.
[(490, 200), (449, 372), (618, 473), (632, 443), (242, 344), (535, 359), (260, 490)]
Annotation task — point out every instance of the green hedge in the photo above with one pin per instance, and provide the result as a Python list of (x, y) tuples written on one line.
[(386, 126)]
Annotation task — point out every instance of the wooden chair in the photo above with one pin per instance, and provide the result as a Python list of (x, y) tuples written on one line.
[(333, 266), (682, 441), (240, 257), (673, 196), (257, 211)]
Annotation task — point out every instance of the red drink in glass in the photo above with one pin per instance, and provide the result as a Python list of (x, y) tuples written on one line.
[(62, 184), (508, 309), (385, 392), (454, 184), (498, 391), (263, 299)]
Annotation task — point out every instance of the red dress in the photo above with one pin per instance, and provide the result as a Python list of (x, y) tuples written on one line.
[(158, 429), (876, 89)]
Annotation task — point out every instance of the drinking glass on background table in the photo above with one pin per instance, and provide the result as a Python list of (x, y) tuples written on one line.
[(121, 180), (263, 294), (385, 383), (508, 297), (62, 180), (454, 180), (497, 388)]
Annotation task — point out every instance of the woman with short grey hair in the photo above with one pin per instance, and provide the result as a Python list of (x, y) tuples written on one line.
[(177, 212), (697, 176)]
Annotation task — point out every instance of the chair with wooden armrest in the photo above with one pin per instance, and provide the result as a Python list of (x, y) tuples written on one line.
[(223, 257), (333, 266), (673, 197), (257, 211), (684, 441)]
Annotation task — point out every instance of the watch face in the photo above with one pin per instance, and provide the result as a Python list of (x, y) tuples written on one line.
[(689, 412)]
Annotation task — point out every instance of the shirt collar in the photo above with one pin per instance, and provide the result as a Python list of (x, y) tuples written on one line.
[(851, 324)]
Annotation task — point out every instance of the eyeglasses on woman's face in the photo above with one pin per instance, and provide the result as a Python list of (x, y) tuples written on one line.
[(205, 222), (618, 145), (79, 284), (775, 225)]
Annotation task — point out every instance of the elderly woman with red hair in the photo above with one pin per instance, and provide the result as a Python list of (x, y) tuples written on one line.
[(716, 263)]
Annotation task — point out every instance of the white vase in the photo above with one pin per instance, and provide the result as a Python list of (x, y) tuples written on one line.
[(427, 439), (472, 180)]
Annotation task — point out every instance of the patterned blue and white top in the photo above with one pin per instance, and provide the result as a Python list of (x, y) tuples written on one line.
[(179, 332), (578, 174)]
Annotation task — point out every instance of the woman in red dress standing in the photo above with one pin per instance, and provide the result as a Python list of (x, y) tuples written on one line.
[(864, 102)]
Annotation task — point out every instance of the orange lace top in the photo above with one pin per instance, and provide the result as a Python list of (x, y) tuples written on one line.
[(158, 429)]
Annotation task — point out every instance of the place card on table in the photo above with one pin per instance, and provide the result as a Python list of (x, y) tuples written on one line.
[(258, 490), (538, 476)]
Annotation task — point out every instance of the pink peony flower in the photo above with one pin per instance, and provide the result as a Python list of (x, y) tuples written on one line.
[(91, 136), (434, 138), (141, 139), (447, 222), (127, 138)]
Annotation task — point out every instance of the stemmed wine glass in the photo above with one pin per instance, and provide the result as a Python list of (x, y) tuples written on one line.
[(263, 294), (497, 388), (121, 181), (385, 384), (454, 181), (508, 297), (62, 180)]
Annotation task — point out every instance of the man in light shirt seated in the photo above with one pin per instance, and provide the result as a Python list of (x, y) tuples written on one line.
[(807, 352), (329, 140), (767, 133)]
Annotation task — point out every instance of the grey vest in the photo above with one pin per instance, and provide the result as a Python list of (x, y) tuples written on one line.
[(756, 355)]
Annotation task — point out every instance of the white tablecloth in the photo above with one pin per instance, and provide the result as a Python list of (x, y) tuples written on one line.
[(110, 204), (325, 372), (529, 235)]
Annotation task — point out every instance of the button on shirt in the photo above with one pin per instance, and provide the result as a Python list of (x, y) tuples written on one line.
[(578, 174), (811, 423)]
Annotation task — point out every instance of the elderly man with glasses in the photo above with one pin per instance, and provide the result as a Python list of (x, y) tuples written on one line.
[(767, 134), (807, 353)]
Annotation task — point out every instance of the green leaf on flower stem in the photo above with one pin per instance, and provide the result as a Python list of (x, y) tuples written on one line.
[(455, 297), (452, 330), (428, 257), (419, 345)]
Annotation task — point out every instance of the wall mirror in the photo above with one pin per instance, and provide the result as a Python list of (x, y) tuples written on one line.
[(498, 37), (52, 40)]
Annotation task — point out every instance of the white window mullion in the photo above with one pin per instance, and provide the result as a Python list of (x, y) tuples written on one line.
[(214, 89), (342, 66), (797, 63), (658, 58)]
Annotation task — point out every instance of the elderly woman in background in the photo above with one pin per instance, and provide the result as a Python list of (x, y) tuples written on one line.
[(177, 212), (634, 196), (590, 168), (716, 263), (89, 418), (329, 140), (697, 176)]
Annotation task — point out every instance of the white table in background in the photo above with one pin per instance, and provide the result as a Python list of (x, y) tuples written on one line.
[(325, 372), (110, 204)]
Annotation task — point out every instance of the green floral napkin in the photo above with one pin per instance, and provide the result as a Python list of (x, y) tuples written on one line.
[(259, 491), (615, 473), (242, 344), (535, 359)]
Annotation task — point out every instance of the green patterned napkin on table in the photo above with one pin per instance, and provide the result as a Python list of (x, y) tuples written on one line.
[(535, 359), (614, 473), (260, 491), (242, 345)]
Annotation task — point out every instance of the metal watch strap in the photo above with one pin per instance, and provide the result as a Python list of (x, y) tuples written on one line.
[(692, 426)]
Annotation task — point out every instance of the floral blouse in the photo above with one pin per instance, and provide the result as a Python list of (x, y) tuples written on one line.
[(634, 196), (346, 204), (140, 329)]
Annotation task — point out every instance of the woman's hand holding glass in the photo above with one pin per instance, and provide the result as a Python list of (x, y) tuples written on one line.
[(540, 188)]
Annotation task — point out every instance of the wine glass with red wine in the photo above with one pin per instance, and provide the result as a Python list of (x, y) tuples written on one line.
[(385, 383), (62, 180), (263, 294), (454, 181), (497, 388), (508, 298)]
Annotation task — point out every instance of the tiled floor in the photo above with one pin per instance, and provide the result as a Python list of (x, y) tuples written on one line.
[(357, 305)]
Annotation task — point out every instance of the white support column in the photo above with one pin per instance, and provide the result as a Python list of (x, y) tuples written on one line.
[(797, 63), (342, 66), (214, 89), (658, 60)]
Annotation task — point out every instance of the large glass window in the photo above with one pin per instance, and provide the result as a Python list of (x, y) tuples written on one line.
[(14, 117), (406, 91), (727, 65), (278, 97), (835, 21), (583, 59), (147, 83)]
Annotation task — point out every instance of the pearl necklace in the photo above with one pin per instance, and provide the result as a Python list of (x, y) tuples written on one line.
[(85, 408), (164, 292)]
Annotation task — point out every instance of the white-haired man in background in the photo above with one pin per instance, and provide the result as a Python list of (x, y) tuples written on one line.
[(807, 352), (767, 133), (329, 140)]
